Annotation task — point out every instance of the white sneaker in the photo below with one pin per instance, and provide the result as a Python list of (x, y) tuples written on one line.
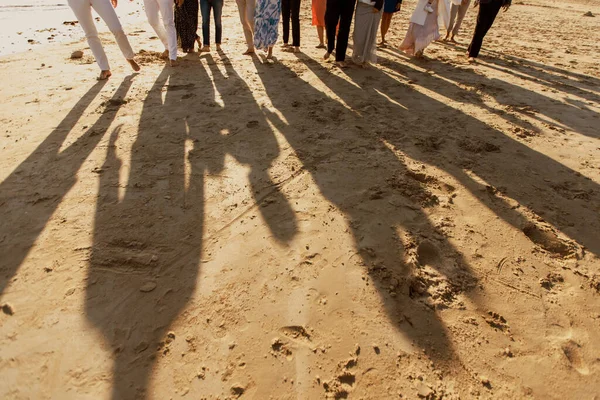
[(428, 8)]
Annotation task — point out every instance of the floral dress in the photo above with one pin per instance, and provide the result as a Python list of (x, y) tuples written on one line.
[(266, 23)]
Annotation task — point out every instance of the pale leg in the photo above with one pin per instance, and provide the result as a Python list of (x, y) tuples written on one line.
[(246, 9), (83, 12), (453, 12), (320, 32), (152, 13), (106, 11), (462, 11), (168, 17)]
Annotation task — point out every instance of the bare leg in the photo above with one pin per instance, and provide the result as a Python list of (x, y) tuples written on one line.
[(104, 75), (247, 9), (134, 65), (270, 53), (320, 32), (386, 21)]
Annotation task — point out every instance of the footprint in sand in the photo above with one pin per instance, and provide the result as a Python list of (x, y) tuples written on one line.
[(572, 351)]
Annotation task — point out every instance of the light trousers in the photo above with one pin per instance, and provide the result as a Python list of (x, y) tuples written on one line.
[(460, 10), (83, 12), (166, 30), (246, 9)]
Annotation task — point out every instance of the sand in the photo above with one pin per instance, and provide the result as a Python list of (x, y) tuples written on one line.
[(235, 228)]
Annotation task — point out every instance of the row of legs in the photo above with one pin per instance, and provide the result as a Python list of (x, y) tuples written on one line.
[(160, 16), (338, 19)]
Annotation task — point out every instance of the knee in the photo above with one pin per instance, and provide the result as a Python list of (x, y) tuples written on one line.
[(92, 34), (169, 24)]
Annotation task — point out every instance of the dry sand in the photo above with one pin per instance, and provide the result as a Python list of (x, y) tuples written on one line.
[(234, 228)]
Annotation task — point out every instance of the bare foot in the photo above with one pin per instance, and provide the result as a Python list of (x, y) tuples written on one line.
[(249, 52), (471, 60), (326, 56), (296, 49), (205, 49), (453, 40), (104, 75), (165, 55), (134, 65), (173, 63), (270, 53), (419, 54), (285, 45), (218, 46), (321, 46), (341, 64)]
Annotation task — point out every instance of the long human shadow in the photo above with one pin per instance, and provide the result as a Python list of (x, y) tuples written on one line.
[(463, 145), (582, 87), (346, 165), (553, 77), (147, 236), (523, 103), (35, 189), (571, 114), (250, 140), (562, 196), (559, 78), (150, 224)]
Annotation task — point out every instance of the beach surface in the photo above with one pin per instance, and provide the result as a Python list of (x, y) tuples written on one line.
[(239, 228)]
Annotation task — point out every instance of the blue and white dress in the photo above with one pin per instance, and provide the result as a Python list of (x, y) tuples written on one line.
[(266, 23)]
